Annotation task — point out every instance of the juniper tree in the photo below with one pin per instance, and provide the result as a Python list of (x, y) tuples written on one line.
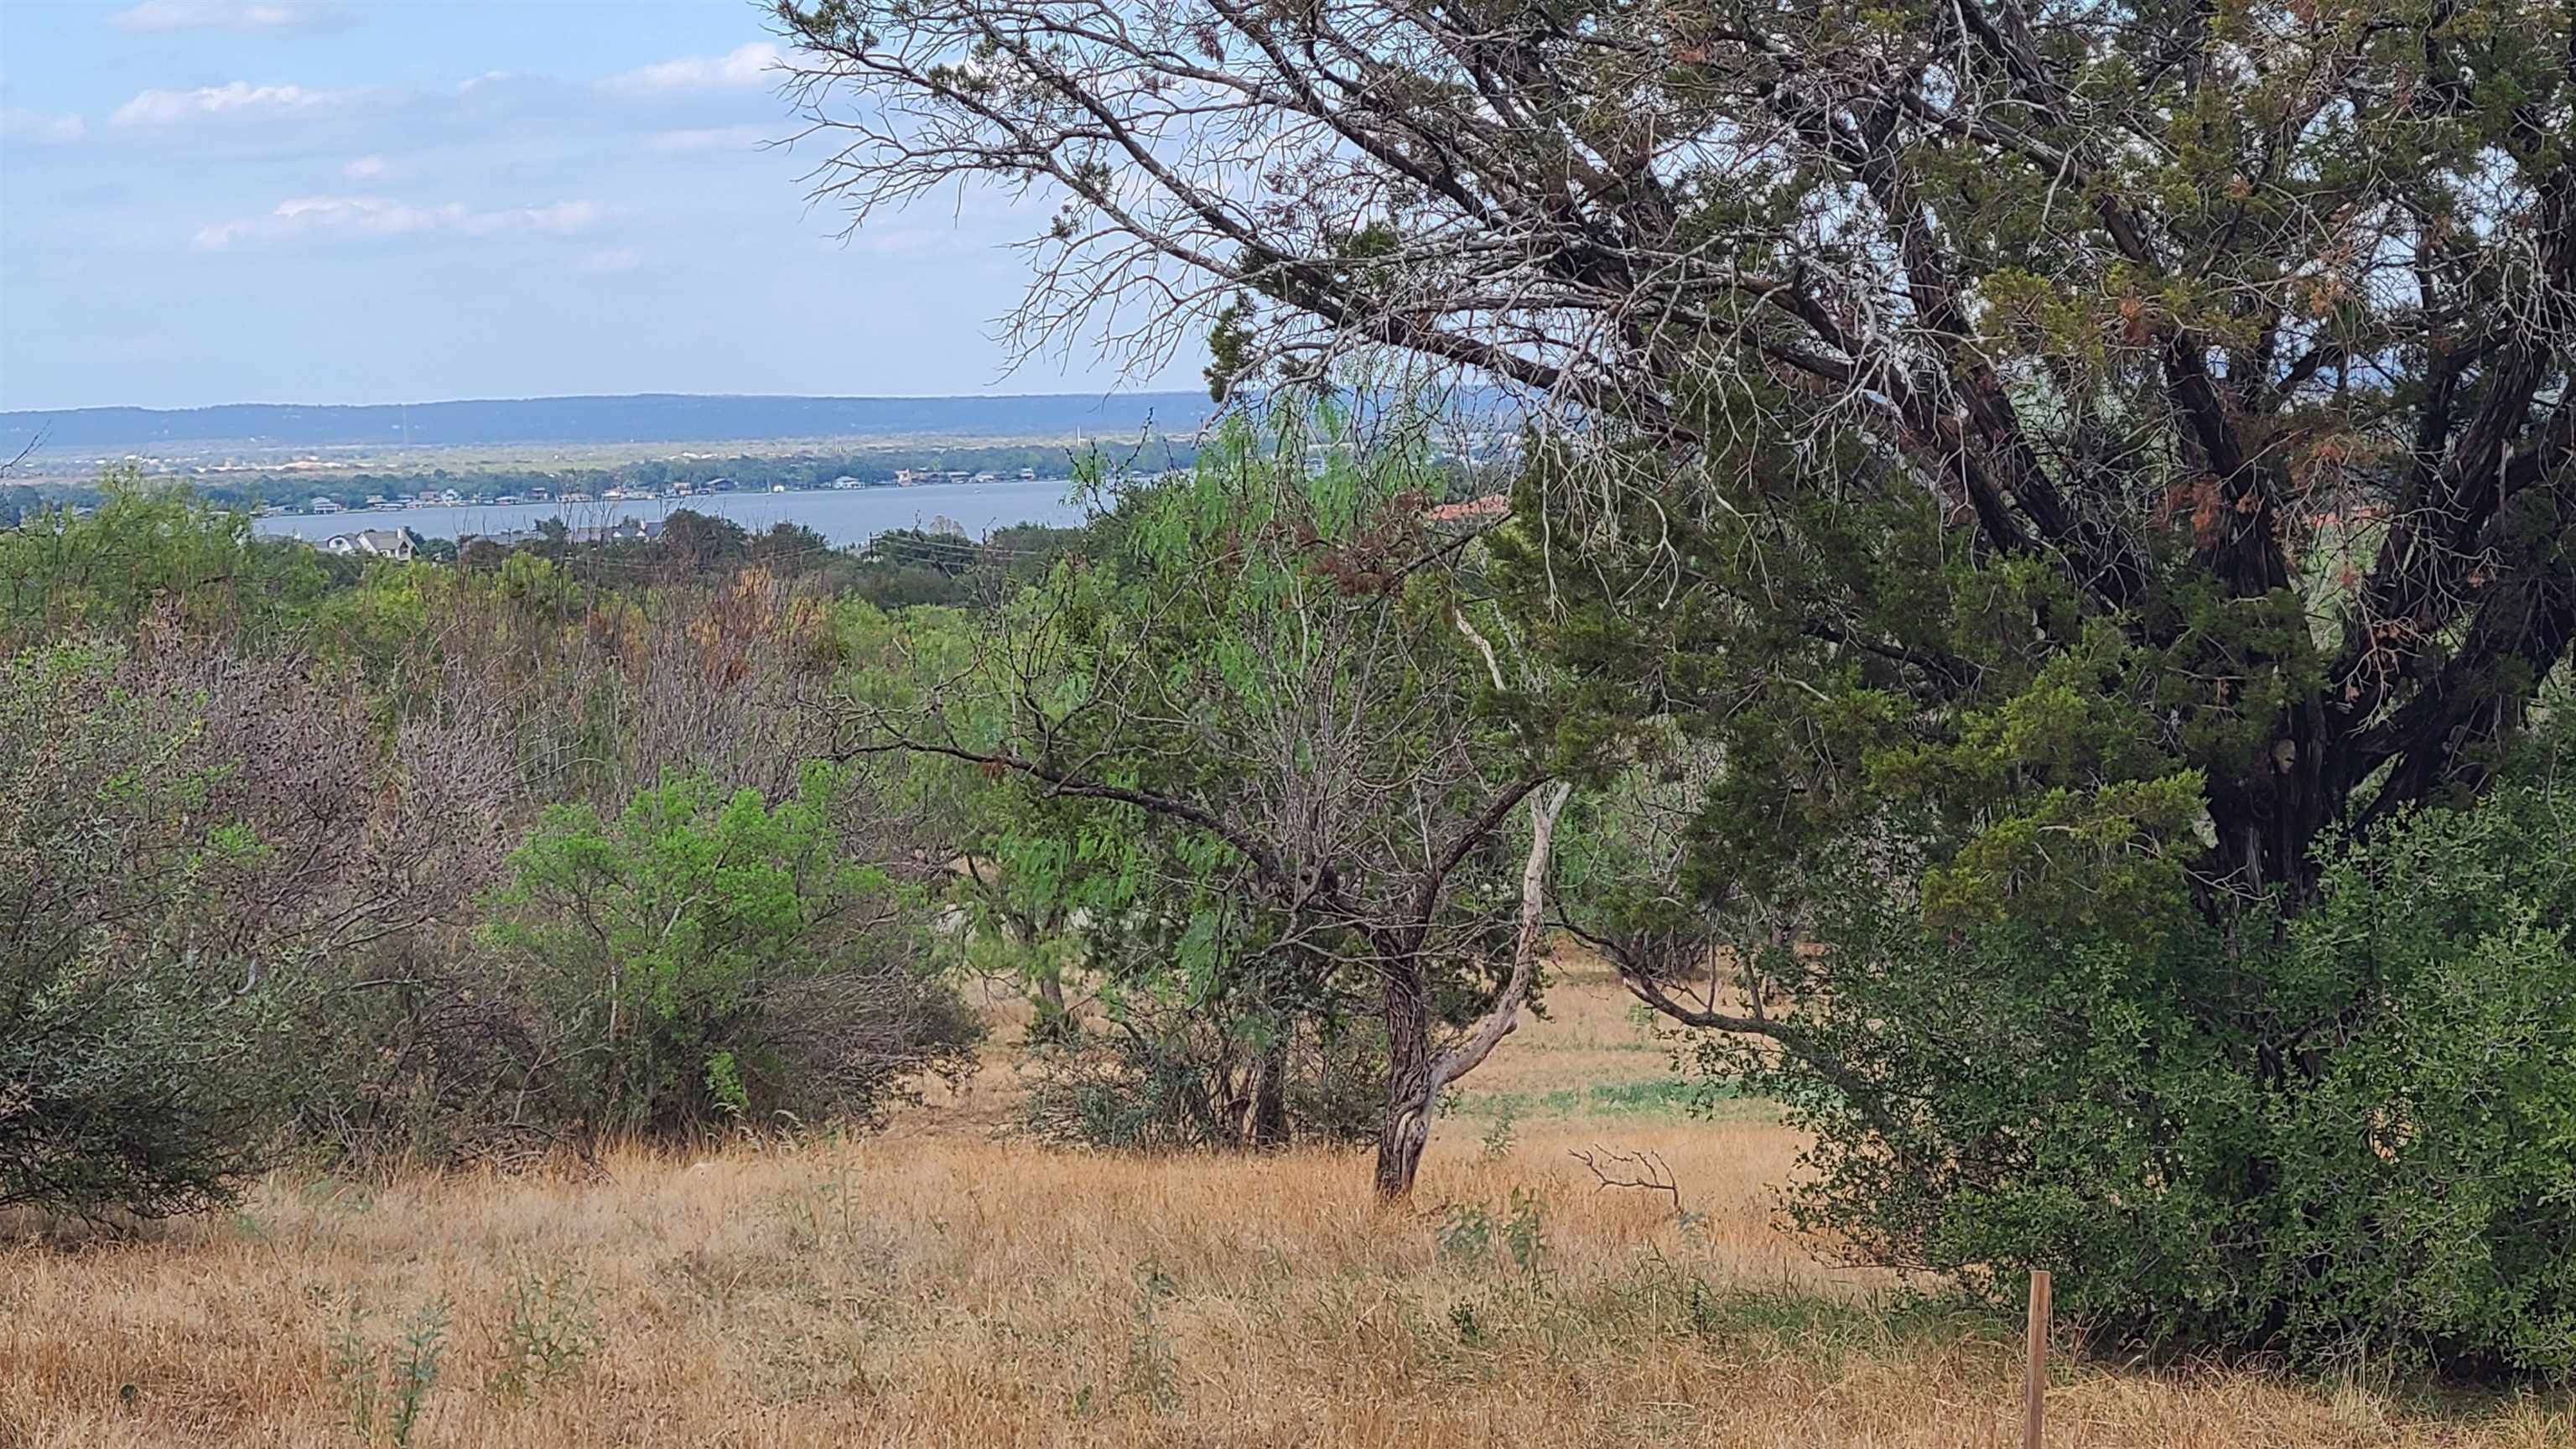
[(2214, 358)]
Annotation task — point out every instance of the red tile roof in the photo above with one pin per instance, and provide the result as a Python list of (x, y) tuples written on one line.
[(1492, 505)]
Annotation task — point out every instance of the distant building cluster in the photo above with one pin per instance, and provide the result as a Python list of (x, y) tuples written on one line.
[(624, 530), (919, 477), (403, 545), (434, 498)]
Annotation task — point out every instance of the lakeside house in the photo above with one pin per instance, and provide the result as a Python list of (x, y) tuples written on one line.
[(322, 505), (624, 530), (398, 544)]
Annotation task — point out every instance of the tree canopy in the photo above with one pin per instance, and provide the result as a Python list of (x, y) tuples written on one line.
[(1942, 358)]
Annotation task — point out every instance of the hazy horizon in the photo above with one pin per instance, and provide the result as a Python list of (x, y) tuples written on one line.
[(595, 420), (1005, 394)]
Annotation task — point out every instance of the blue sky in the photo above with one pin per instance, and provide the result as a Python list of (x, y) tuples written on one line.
[(207, 201)]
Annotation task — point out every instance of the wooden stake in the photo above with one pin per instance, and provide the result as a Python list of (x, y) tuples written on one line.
[(2034, 1382)]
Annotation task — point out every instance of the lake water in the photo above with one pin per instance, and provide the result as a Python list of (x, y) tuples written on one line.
[(850, 516)]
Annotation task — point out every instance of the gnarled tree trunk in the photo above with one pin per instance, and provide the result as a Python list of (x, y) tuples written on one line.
[(1415, 1078), (1410, 1087)]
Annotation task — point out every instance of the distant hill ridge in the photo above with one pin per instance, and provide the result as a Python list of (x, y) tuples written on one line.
[(638, 418)]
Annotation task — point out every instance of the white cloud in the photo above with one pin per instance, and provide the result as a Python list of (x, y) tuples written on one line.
[(38, 129), (217, 236), (747, 67), (365, 168), (156, 15), (376, 216), (708, 138), (163, 108)]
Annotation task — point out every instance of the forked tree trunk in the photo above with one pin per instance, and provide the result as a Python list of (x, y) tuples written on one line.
[(1410, 1088), (1415, 1078)]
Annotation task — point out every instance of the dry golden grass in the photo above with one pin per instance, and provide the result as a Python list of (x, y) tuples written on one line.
[(935, 1287)]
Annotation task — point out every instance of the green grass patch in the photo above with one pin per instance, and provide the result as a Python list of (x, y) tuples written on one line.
[(1787, 1320), (1646, 1096)]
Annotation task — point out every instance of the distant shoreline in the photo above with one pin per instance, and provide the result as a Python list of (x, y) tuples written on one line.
[(843, 516)]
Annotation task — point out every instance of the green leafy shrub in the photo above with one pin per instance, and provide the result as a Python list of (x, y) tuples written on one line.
[(2398, 1185), (387, 1389), (151, 548), (549, 1331), (711, 958), (1467, 1234)]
